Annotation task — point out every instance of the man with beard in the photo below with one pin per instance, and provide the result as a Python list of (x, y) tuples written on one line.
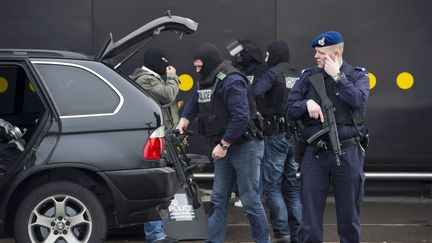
[(279, 166), (348, 89), (225, 110), (159, 79)]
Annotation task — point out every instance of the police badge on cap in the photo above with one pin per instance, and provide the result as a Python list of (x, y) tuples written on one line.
[(327, 39), (321, 41)]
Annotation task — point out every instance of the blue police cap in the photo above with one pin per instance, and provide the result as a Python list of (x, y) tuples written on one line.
[(327, 39)]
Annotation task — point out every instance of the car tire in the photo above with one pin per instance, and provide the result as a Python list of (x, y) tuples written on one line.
[(60, 211)]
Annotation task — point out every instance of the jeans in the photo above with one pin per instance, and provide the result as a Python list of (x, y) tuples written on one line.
[(281, 189), (153, 231), (290, 190), (275, 154), (241, 165)]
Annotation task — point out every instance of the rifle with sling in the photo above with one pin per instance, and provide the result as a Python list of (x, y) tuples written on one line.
[(329, 125)]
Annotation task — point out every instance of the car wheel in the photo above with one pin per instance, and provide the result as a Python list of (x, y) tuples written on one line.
[(60, 212)]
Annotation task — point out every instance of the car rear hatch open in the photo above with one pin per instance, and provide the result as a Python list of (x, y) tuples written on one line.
[(149, 30)]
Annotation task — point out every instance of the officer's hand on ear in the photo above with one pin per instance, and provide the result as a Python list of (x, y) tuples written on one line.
[(314, 110), (182, 125), (332, 67)]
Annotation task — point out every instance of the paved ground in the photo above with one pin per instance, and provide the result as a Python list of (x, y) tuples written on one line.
[(384, 219)]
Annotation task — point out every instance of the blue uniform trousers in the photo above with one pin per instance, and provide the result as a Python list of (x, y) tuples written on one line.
[(347, 181)]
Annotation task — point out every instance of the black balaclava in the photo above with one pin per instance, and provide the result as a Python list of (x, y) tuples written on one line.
[(210, 57), (153, 60), (278, 52), (250, 54)]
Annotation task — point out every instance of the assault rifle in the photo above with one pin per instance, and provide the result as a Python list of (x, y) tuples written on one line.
[(329, 125), (176, 152)]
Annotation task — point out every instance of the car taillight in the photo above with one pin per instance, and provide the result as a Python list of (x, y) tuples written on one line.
[(155, 144)]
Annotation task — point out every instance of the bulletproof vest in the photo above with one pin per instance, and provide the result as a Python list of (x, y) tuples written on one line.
[(213, 115), (274, 101)]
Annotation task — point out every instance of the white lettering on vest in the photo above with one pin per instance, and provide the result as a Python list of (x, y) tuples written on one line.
[(290, 81), (204, 95)]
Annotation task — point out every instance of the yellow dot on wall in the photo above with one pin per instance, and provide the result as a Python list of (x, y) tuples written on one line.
[(405, 80), (3, 85), (30, 86), (186, 82), (372, 80)]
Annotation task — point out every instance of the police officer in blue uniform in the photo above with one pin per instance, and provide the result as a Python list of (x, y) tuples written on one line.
[(225, 109), (348, 88)]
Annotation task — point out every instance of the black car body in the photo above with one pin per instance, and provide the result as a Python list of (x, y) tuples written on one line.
[(93, 142)]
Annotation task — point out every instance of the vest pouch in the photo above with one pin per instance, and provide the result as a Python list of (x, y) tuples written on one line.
[(247, 136), (268, 126), (281, 126), (257, 125), (210, 126)]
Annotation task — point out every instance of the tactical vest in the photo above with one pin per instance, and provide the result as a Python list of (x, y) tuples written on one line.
[(274, 101), (213, 115)]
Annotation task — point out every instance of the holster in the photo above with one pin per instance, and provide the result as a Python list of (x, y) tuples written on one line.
[(274, 125), (365, 139), (296, 129)]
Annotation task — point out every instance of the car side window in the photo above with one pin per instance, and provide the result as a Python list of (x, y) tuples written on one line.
[(77, 91)]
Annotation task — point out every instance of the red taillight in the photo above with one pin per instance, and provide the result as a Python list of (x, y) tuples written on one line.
[(155, 144)]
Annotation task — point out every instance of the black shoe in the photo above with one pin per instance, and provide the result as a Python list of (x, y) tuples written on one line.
[(294, 239), (284, 239)]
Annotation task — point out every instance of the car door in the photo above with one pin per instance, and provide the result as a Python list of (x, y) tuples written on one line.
[(24, 115)]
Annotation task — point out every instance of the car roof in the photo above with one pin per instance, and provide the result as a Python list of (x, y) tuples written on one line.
[(41, 53)]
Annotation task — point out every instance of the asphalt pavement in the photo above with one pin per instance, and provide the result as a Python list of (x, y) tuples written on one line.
[(384, 219)]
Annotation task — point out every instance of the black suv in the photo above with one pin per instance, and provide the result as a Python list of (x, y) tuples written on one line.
[(80, 143)]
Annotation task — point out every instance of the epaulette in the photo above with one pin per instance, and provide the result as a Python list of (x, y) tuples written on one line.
[(221, 75), (360, 69), (306, 70)]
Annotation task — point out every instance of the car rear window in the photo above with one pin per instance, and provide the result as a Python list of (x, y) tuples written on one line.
[(77, 90)]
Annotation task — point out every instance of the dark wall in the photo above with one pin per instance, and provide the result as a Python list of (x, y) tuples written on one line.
[(386, 36), (219, 22), (47, 24)]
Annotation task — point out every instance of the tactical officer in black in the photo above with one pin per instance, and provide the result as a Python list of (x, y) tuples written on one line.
[(249, 59), (225, 110), (279, 166), (348, 89)]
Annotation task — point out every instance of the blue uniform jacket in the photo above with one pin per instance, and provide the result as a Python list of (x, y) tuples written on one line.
[(263, 84), (233, 91), (348, 95)]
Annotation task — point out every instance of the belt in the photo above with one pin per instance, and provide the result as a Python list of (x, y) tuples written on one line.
[(349, 142), (344, 143)]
